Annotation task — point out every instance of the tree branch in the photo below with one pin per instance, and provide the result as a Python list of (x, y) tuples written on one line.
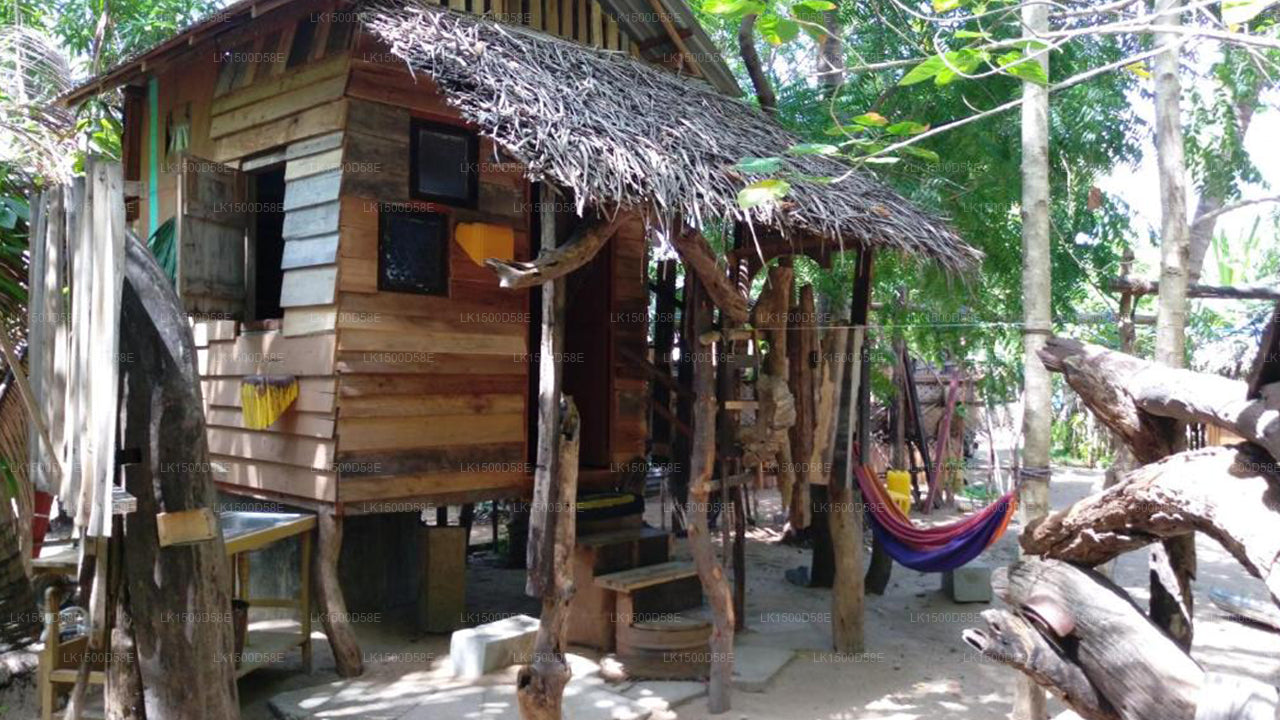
[(755, 69), (558, 261)]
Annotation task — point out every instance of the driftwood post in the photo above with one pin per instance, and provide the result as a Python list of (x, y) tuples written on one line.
[(801, 345), (777, 406), (552, 526), (347, 657), (540, 684), (702, 460), (846, 509)]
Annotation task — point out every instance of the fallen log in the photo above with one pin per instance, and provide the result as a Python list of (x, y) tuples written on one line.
[(1172, 498), (1107, 378), (1011, 640), (1131, 665)]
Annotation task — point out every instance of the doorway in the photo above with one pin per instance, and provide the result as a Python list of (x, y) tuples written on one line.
[(266, 244)]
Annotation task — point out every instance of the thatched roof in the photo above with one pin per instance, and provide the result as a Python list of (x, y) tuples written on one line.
[(617, 131)]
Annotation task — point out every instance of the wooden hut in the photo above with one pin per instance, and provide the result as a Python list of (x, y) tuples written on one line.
[(346, 179)]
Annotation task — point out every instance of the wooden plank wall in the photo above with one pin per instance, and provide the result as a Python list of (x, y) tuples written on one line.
[(432, 389), (630, 410), (295, 456)]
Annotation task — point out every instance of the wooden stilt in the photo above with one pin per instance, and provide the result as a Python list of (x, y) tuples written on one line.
[(540, 684), (714, 584), (846, 507), (329, 598), (552, 521)]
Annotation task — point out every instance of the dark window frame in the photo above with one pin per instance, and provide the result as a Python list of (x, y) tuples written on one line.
[(385, 215), (473, 160)]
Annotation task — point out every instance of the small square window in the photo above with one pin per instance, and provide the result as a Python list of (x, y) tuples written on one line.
[(444, 164), (413, 252)]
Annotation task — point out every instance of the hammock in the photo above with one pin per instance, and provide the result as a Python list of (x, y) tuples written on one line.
[(935, 549)]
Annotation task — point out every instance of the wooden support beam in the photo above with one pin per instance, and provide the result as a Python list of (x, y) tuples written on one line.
[(540, 580), (710, 572), (1139, 287), (557, 261), (347, 657), (845, 521), (540, 684), (802, 347), (698, 256)]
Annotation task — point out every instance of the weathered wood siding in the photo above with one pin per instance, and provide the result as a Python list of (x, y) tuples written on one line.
[(630, 391), (400, 395), (431, 392), (294, 456)]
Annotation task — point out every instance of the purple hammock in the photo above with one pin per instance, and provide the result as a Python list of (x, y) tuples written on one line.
[(935, 549)]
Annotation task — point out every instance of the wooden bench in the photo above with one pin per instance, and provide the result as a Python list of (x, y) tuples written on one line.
[(628, 581)]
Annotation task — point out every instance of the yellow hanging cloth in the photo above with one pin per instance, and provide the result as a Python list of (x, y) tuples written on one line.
[(264, 398)]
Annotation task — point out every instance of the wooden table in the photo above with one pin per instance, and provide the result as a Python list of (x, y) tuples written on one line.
[(242, 533)]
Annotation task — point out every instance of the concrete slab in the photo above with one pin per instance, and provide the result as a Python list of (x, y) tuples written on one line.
[(657, 695), (475, 652), (376, 699), (754, 667), (463, 703)]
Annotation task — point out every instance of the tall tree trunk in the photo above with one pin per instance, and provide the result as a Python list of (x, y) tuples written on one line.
[(1173, 565), (831, 53), (755, 68), (1029, 699), (702, 461), (1210, 201)]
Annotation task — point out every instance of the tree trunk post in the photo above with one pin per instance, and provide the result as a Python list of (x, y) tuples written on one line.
[(846, 506), (540, 684), (1029, 699), (710, 572), (1174, 565), (801, 346), (329, 598)]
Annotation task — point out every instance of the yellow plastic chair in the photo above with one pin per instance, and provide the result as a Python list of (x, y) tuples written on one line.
[(899, 482)]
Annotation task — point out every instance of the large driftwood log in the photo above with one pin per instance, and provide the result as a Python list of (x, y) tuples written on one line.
[(558, 260), (1167, 392), (1224, 492), (1128, 661), (1011, 640), (699, 257), (167, 595), (1099, 376)]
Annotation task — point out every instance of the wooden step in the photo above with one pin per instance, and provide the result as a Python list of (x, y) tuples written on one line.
[(619, 537), (628, 581), (664, 634)]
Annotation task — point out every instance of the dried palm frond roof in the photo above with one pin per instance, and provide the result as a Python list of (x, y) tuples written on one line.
[(617, 131)]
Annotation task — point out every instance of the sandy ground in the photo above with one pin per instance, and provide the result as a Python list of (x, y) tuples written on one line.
[(915, 665)]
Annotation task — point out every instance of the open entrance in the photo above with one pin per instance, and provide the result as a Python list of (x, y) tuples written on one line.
[(266, 244)]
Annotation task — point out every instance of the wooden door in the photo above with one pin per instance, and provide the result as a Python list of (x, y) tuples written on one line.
[(211, 236), (588, 366)]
